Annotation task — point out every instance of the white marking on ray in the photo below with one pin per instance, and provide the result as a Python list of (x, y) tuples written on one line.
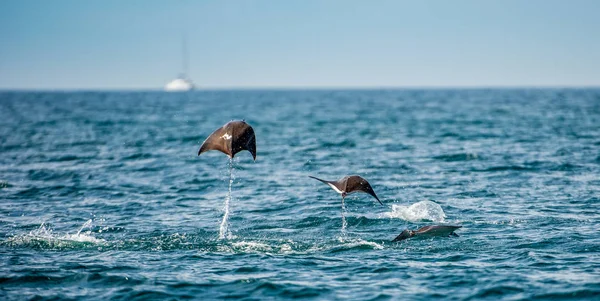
[(334, 188), (226, 136)]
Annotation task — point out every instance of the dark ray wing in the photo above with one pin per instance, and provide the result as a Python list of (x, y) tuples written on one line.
[(404, 235), (439, 230), (232, 138), (358, 183), (432, 230), (324, 181), (216, 142), (372, 192), (337, 184), (243, 139)]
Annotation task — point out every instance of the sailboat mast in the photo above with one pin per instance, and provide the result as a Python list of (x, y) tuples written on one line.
[(182, 82), (185, 58)]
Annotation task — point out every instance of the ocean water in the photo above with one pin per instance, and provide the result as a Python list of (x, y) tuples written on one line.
[(102, 195)]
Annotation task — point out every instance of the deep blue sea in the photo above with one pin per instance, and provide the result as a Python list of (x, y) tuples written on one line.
[(103, 196)]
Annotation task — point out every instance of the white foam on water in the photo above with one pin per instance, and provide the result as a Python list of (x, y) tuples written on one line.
[(285, 248), (258, 247), (420, 211), (357, 242), (375, 245), (46, 234), (291, 247), (81, 236), (251, 246)]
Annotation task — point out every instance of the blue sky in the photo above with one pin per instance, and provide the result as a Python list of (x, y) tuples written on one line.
[(261, 44)]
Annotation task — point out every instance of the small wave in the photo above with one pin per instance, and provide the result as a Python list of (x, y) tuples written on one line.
[(397, 147), (355, 244), (281, 247), (29, 192), (190, 139), (4, 184), (511, 222), (361, 243), (251, 246), (450, 134), (504, 168), (200, 181), (273, 247), (51, 175), (458, 157), (497, 292), (581, 294), (420, 211), (138, 156), (533, 167), (66, 158), (343, 143), (149, 169), (568, 167)]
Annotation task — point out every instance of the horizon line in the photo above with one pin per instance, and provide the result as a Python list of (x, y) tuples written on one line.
[(304, 88)]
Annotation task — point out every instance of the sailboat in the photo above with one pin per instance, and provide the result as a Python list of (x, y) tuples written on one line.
[(182, 82)]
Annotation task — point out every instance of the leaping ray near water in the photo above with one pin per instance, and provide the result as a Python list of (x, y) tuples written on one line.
[(350, 184), (232, 138), (435, 230)]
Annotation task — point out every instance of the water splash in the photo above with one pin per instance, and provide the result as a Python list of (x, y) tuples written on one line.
[(420, 211), (252, 247), (87, 224), (42, 231), (82, 237), (44, 237), (344, 222), (224, 228)]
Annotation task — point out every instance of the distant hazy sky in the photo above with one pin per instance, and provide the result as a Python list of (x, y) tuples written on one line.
[(298, 43)]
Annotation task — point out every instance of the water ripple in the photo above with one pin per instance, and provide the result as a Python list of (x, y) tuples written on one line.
[(103, 195)]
